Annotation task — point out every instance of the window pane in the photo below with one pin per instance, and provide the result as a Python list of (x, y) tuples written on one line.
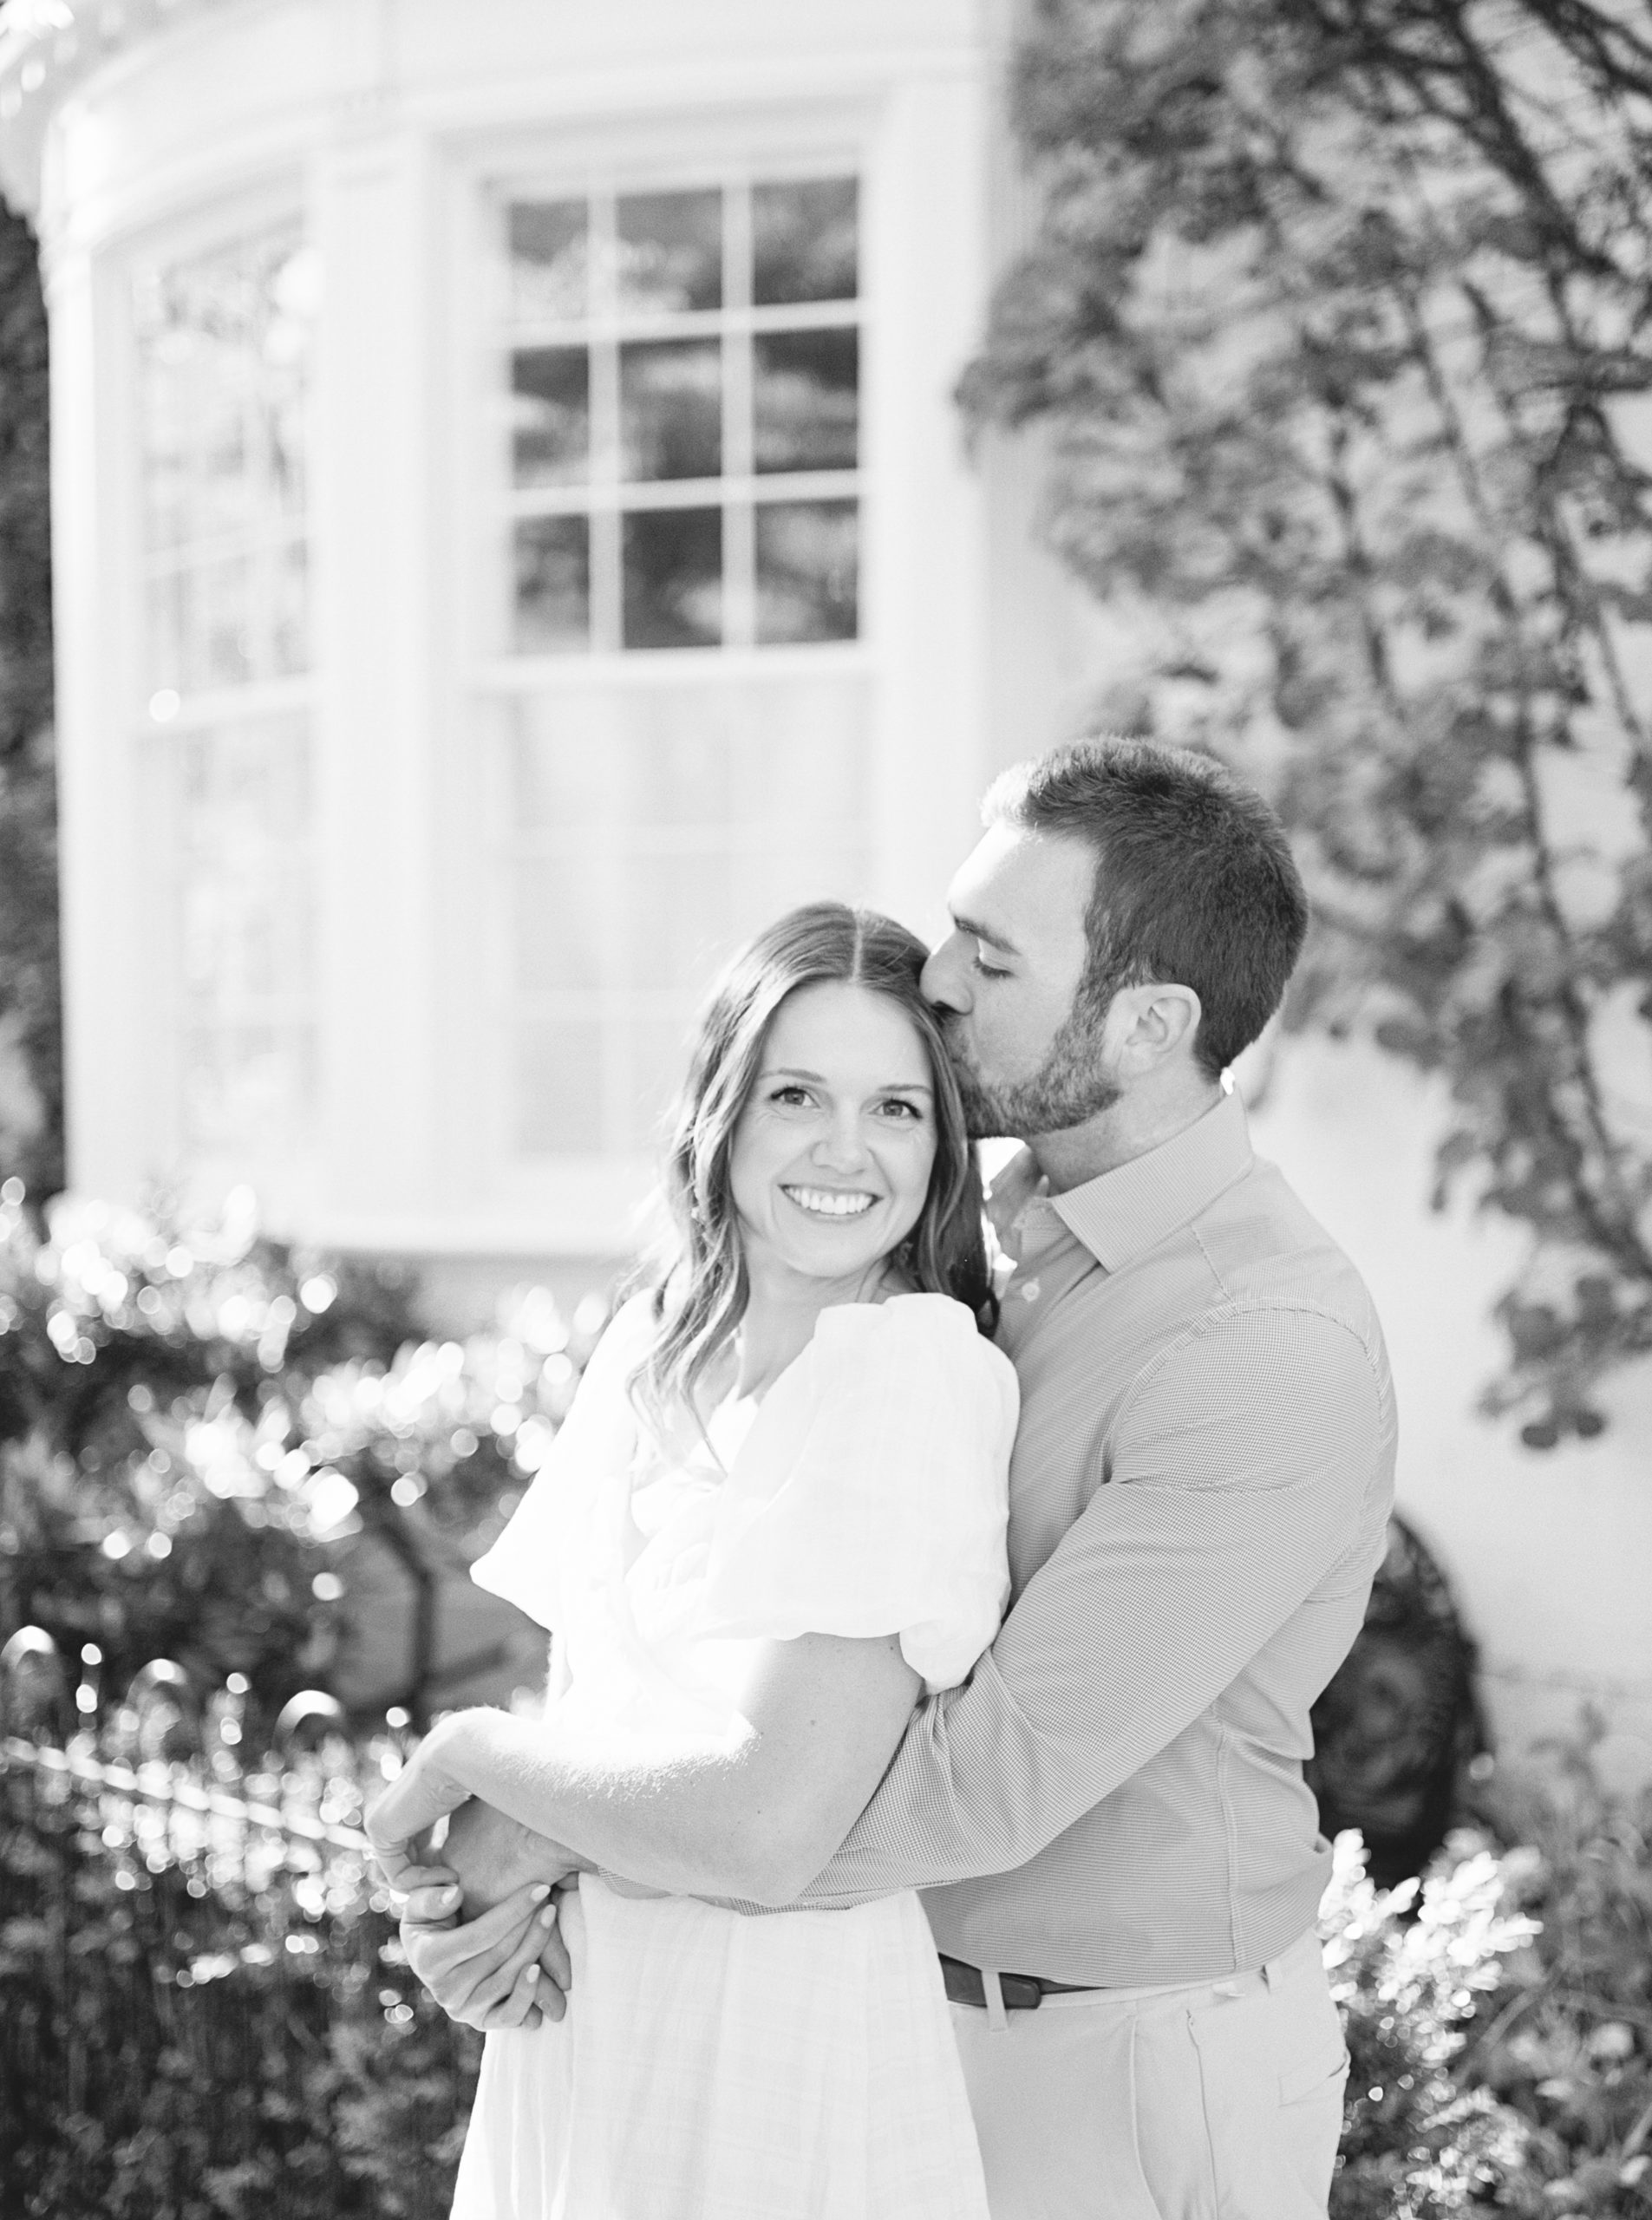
[(550, 256), (223, 343), (670, 409), (246, 1088), (803, 241), (224, 645), (560, 760), (167, 630), (678, 912), (290, 645), (677, 757), (239, 812), (673, 578), (558, 1088), (550, 416), (657, 1057), (804, 761), (557, 930), (805, 400), (552, 583), (670, 251), (807, 571)]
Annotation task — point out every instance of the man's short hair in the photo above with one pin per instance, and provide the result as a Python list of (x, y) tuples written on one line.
[(1195, 883)]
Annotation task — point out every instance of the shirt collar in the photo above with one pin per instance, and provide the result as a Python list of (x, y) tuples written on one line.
[(1125, 1212)]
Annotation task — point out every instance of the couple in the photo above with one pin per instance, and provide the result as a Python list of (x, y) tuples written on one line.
[(803, 1478)]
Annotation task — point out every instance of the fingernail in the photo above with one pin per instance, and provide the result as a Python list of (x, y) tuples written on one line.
[(533, 1974), (541, 1892), (548, 1916), (448, 1896)]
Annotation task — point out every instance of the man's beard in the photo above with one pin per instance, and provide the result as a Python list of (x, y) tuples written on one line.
[(1068, 1087)]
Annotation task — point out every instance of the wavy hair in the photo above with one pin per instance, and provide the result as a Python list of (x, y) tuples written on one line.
[(700, 1288)]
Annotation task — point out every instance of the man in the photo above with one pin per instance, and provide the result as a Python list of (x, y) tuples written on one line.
[(1122, 1861)]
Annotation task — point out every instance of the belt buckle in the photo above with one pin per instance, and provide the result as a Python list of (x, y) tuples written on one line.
[(965, 1984)]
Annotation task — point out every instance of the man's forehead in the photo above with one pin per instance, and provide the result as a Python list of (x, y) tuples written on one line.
[(1016, 881)]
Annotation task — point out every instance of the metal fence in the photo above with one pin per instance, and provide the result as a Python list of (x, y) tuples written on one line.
[(204, 2009)]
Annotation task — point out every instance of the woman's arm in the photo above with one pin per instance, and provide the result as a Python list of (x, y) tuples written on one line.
[(753, 1816)]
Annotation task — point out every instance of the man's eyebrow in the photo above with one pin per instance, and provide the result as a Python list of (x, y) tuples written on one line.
[(978, 931)]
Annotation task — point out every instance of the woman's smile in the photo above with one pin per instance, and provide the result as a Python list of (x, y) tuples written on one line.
[(830, 1202)]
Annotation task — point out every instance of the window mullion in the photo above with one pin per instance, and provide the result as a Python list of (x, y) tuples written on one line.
[(606, 596), (739, 597)]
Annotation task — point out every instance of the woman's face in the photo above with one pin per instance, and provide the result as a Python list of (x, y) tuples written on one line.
[(831, 1155)]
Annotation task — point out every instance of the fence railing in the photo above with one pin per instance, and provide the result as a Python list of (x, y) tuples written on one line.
[(204, 2007)]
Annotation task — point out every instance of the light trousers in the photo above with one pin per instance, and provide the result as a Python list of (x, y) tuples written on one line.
[(1222, 2102)]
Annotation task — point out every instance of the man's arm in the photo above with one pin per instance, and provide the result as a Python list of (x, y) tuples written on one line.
[(1255, 1459)]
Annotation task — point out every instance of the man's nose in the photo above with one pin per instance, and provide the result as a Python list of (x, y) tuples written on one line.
[(944, 981)]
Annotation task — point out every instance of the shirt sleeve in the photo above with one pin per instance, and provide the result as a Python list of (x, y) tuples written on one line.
[(525, 1563), (870, 1495), (1249, 1471)]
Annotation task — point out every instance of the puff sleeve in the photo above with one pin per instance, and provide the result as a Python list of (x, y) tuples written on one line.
[(870, 1495), (597, 1440)]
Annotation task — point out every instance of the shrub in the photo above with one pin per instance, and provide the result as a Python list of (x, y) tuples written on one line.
[(1500, 2016), (1567, 2041), (193, 1419), (1408, 1968)]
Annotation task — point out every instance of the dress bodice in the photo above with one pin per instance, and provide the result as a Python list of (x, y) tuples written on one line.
[(865, 1494)]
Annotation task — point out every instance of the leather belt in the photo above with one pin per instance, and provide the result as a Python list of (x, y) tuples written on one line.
[(1022, 1992)]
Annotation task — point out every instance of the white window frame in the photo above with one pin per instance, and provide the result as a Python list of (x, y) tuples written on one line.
[(598, 1204)]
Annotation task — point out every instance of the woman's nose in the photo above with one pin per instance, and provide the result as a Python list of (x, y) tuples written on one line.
[(841, 1147), (945, 982)]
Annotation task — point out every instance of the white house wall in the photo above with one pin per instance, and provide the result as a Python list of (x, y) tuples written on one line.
[(376, 122), (1547, 1551)]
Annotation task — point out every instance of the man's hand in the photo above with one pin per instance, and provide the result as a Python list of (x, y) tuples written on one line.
[(491, 1856), (508, 1969), (423, 1792)]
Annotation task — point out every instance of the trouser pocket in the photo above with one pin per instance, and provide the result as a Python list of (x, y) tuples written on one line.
[(1271, 2065)]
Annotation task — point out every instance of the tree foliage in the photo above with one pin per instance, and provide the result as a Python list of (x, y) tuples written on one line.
[(1337, 320)]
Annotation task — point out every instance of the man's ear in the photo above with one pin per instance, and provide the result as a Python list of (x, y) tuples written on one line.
[(1152, 1023)]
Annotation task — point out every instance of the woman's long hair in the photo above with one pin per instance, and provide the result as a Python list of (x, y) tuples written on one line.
[(701, 1288)]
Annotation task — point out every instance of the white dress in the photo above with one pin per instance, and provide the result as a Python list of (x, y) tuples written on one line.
[(716, 2066)]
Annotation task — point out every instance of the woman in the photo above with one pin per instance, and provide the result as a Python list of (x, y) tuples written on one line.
[(774, 1515)]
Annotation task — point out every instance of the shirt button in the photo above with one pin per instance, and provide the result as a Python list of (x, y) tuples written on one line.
[(1029, 1291)]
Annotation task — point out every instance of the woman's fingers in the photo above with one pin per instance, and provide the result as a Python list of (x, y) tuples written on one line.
[(453, 1961), (501, 1998), (556, 1966)]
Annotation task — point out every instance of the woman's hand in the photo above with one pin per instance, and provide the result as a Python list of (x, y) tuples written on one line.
[(508, 1969)]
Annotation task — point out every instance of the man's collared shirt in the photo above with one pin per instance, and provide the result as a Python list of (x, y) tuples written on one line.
[(1198, 1500)]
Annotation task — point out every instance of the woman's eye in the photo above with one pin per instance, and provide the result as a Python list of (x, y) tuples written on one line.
[(898, 1107), (790, 1098)]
